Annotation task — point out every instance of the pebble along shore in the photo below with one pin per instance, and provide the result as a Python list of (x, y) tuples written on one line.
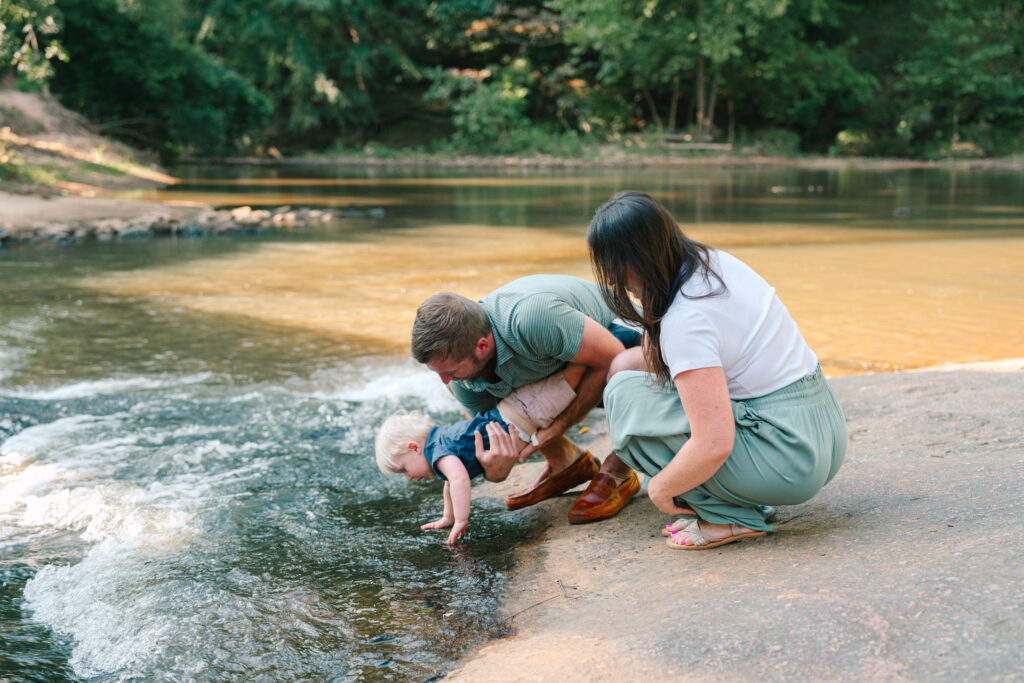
[(240, 221)]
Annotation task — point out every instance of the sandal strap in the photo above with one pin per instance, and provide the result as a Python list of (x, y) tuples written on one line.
[(693, 529)]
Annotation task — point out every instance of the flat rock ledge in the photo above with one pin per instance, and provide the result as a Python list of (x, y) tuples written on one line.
[(175, 222)]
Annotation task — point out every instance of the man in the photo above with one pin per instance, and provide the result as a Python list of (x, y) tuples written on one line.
[(520, 333)]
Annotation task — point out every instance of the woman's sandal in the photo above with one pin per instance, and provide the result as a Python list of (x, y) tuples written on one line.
[(700, 542), (667, 531)]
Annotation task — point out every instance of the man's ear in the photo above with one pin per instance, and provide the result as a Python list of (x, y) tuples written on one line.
[(482, 348)]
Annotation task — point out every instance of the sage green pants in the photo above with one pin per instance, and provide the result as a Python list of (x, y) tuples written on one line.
[(789, 444)]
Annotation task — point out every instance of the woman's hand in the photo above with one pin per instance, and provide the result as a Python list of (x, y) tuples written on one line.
[(663, 497)]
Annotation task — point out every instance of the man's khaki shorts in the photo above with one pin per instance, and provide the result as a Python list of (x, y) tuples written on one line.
[(536, 405)]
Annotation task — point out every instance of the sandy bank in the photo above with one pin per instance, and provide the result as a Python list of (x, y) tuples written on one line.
[(906, 567), (20, 212)]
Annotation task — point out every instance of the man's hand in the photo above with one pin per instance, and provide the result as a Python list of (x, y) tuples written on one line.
[(501, 457), (544, 437)]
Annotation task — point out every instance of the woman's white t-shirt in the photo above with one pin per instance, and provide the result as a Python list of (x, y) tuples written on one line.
[(746, 331)]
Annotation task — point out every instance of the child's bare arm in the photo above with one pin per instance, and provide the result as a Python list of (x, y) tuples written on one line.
[(447, 517), (495, 461), (458, 491)]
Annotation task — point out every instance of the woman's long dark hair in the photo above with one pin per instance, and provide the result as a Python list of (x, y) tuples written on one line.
[(633, 233)]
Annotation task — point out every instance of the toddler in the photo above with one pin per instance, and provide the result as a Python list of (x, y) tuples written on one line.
[(411, 444)]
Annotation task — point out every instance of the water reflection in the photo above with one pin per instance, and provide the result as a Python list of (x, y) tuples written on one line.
[(905, 299)]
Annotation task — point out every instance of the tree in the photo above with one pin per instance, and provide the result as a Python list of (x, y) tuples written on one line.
[(329, 67), (964, 84), (132, 70), (28, 42), (659, 45)]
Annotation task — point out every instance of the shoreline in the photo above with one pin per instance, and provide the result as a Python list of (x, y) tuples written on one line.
[(611, 158), (73, 212), (882, 576)]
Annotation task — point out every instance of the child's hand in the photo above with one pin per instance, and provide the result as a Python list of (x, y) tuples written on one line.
[(458, 531), (442, 523)]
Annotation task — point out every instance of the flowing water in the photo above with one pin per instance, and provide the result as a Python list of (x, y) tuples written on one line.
[(187, 488)]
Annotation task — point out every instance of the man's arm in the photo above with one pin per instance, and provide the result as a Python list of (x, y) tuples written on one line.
[(597, 350)]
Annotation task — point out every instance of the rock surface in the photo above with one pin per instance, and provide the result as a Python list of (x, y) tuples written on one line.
[(908, 566)]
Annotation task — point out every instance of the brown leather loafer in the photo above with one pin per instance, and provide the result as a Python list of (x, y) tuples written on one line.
[(548, 484), (603, 498)]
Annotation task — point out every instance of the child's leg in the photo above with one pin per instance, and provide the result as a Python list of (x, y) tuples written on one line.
[(536, 405), (573, 373)]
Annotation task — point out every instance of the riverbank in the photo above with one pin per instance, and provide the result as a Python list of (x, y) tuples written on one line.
[(906, 567)]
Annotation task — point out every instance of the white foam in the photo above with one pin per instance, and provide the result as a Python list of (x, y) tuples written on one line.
[(109, 386), (1005, 365), (107, 606), (27, 444), (396, 382)]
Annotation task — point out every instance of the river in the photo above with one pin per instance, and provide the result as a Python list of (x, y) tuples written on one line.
[(187, 488)]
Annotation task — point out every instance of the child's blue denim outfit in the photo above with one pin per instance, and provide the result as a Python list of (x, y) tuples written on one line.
[(458, 440)]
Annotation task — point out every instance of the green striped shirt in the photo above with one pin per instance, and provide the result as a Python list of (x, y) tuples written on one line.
[(537, 323)]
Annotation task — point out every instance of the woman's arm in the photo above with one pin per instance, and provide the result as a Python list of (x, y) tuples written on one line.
[(705, 397), (458, 492)]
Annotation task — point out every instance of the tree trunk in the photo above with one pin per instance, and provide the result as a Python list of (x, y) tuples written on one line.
[(709, 118), (654, 109), (732, 120), (700, 97), (674, 108)]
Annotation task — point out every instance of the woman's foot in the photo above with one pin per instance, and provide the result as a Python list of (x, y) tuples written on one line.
[(677, 525), (698, 535)]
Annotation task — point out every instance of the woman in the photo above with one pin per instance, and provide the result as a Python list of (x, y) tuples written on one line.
[(725, 406)]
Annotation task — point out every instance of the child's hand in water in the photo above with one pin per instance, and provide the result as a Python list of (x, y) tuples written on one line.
[(457, 532), (442, 523)]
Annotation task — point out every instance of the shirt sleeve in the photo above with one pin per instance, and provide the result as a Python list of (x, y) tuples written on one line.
[(473, 401), (549, 328), (689, 340)]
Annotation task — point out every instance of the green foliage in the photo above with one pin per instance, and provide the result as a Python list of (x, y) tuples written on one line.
[(489, 112), (777, 142), (28, 42), (11, 163), (927, 78), (328, 67), (963, 88), (132, 70)]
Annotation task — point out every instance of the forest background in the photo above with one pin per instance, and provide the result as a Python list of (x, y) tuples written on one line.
[(923, 79)]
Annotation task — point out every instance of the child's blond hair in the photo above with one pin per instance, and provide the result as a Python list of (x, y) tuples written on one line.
[(394, 436)]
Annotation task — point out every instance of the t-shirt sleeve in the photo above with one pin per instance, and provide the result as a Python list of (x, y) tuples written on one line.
[(549, 328), (473, 401), (689, 340)]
